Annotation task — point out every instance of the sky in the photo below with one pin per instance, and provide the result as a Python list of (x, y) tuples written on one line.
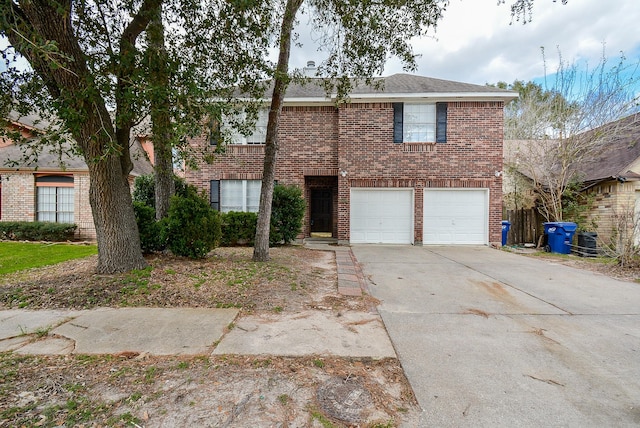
[(475, 43)]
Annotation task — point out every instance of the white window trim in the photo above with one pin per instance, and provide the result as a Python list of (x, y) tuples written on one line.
[(259, 131), (427, 121), (243, 205), (68, 216)]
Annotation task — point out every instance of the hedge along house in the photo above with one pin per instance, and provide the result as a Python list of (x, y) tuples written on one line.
[(55, 186), (417, 162)]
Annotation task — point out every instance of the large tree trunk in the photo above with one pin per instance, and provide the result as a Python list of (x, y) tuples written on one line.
[(113, 216), (281, 80), (82, 107), (160, 117)]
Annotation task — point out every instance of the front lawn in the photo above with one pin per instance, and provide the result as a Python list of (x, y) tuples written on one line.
[(17, 256)]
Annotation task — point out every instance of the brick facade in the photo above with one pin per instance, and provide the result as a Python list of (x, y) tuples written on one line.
[(82, 208), (18, 202), (352, 146), (614, 211), (18, 197)]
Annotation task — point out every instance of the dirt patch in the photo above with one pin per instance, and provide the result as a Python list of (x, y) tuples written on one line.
[(202, 391), (222, 391), (295, 278)]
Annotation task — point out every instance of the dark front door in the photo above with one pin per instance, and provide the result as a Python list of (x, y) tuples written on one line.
[(321, 211)]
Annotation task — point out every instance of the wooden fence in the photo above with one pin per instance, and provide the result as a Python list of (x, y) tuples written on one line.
[(526, 226)]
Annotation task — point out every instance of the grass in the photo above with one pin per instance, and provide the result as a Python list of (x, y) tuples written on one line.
[(17, 256)]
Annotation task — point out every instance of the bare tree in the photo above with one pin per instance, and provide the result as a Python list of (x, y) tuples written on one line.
[(622, 245), (564, 125)]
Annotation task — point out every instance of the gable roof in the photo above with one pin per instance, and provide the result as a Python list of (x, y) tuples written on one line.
[(63, 158), (621, 151), (619, 154), (400, 87)]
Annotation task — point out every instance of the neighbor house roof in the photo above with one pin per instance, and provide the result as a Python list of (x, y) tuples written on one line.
[(620, 153), (60, 159), (400, 87)]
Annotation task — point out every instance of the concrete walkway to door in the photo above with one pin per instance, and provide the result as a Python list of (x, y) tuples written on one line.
[(488, 338)]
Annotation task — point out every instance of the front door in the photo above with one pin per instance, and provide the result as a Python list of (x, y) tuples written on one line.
[(321, 211)]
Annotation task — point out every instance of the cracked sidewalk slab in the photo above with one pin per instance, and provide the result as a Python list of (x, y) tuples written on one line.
[(347, 334), (153, 331), (17, 325)]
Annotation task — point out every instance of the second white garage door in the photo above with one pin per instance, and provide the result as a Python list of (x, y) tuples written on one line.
[(381, 216), (455, 216)]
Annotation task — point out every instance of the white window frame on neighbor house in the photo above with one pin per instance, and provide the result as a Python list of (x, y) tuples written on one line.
[(419, 123), (55, 198), (240, 195)]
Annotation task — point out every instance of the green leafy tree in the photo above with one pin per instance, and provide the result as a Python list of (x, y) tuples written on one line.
[(88, 77), (48, 35)]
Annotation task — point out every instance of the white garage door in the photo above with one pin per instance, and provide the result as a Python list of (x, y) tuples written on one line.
[(381, 216), (455, 216)]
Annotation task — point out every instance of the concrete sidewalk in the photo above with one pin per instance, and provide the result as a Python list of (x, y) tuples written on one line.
[(197, 331)]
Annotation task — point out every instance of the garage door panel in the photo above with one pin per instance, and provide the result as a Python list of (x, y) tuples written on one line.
[(381, 216), (455, 216)]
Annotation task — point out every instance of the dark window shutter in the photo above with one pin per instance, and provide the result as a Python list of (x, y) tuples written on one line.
[(441, 122), (398, 111), (214, 194), (215, 134)]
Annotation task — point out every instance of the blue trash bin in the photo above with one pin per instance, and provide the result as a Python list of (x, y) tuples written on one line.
[(559, 236), (506, 225)]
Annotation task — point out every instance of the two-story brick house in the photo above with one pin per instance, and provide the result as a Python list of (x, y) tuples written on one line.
[(417, 162)]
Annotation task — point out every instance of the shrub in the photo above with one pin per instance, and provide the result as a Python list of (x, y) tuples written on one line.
[(152, 236), (192, 228), (37, 231), (287, 213), (238, 228), (145, 188)]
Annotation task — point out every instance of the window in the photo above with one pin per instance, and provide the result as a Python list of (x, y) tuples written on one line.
[(419, 123), (54, 199), (259, 135), (236, 195)]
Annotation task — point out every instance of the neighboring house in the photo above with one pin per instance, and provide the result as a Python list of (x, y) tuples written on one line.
[(611, 180), (417, 162), (55, 187)]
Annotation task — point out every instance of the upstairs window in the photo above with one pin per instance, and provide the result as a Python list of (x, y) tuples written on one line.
[(228, 129), (259, 134), (54, 199), (419, 123)]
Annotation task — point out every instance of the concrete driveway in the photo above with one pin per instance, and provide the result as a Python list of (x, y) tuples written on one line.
[(488, 338)]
